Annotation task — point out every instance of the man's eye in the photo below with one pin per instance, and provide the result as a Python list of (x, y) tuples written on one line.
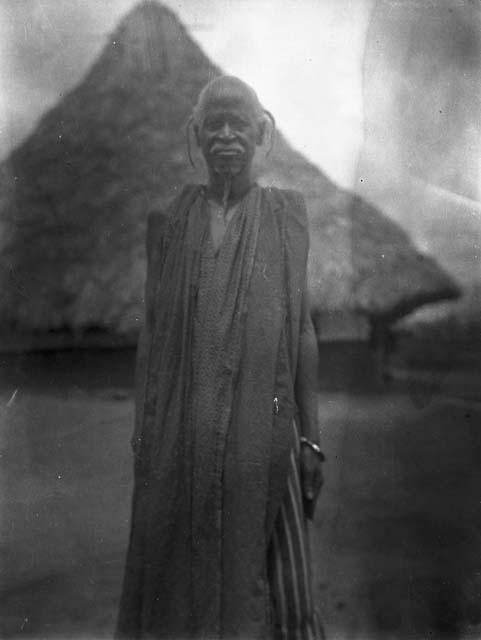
[(212, 125), (238, 124)]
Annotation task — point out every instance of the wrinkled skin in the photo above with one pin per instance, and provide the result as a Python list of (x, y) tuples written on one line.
[(228, 138)]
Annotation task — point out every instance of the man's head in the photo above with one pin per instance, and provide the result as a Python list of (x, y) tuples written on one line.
[(229, 122)]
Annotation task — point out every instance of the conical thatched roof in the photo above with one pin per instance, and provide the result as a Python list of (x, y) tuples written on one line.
[(75, 195), (384, 275)]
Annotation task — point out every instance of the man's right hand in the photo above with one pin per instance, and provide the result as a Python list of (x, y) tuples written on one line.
[(312, 479)]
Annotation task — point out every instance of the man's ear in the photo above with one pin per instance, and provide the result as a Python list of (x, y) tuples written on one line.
[(261, 132), (196, 134)]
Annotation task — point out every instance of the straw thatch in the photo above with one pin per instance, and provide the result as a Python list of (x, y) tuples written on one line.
[(75, 195)]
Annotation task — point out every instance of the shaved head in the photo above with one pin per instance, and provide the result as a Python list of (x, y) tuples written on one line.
[(227, 90)]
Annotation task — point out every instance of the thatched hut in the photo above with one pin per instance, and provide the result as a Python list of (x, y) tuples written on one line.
[(75, 195)]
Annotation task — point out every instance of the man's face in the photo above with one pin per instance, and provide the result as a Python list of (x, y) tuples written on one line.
[(228, 135)]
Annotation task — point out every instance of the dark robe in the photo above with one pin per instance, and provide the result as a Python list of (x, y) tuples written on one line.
[(217, 361)]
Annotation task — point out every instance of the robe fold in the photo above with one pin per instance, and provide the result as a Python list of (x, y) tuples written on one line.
[(216, 369)]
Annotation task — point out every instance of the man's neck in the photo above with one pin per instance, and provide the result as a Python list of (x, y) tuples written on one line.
[(234, 187)]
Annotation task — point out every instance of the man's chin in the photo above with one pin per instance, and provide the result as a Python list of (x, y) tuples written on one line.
[(227, 169)]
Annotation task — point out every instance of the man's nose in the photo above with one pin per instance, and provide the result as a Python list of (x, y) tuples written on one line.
[(226, 131)]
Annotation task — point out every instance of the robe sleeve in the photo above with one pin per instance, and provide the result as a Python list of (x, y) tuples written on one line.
[(297, 249), (307, 368), (156, 225), (159, 231)]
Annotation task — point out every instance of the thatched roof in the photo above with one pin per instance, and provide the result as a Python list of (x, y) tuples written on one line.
[(385, 276), (75, 195)]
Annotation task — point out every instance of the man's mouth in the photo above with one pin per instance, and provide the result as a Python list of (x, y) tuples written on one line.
[(226, 152)]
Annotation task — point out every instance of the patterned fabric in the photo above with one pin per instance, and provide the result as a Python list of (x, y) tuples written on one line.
[(179, 581), (294, 617)]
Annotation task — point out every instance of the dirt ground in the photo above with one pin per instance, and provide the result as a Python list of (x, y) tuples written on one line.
[(396, 539)]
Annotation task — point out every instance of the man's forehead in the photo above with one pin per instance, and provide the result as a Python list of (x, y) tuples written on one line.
[(228, 93), (240, 105)]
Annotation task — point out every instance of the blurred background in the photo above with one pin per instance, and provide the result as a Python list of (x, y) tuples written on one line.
[(378, 108)]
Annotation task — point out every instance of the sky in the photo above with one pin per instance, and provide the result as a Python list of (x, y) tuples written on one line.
[(304, 58)]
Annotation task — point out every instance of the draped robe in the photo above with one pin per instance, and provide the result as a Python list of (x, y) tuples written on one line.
[(216, 369)]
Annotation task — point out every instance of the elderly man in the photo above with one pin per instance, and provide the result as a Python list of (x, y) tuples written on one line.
[(227, 458)]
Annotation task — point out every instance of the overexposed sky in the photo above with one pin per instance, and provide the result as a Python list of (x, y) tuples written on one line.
[(304, 57)]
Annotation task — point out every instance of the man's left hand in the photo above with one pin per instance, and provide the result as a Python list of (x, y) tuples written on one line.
[(312, 479)]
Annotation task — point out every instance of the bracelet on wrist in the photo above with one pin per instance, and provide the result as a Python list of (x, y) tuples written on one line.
[(315, 447)]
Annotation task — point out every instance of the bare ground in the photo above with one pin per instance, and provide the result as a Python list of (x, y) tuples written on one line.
[(395, 542)]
